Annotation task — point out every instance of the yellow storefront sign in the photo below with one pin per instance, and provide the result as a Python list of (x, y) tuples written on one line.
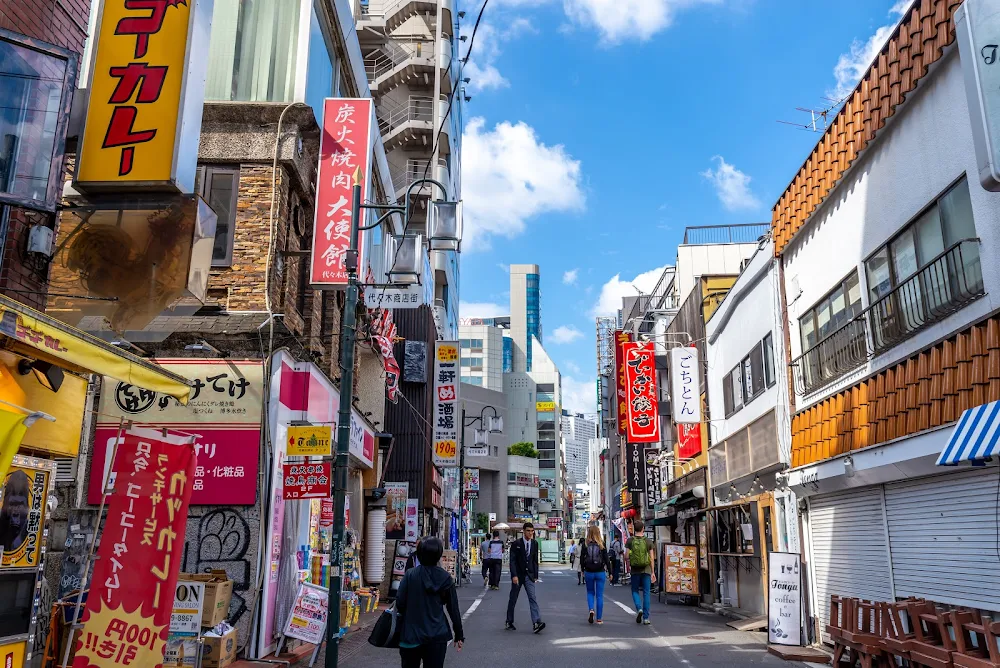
[(12, 654), (545, 406), (141, 86), (309, 441), (447, 353), (445, 449), (22, 515)]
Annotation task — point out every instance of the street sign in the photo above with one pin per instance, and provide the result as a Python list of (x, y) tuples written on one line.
[(409, 296)]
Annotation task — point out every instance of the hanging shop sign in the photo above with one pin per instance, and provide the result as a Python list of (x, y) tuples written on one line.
[(784, 591), (651, 457), (621, 396), (185, 618), (635, 467), (625, 497), (685, 397), (224, 412), (396, 494), (147, 89), (344, 154), (22, 513), (688, 440), (307, 620), (135, 575), (553, 522), (643, 408), (310, 441), (446, 416), (411, 520), (977, 26), (408, 296), (306, 481), (472, 483)]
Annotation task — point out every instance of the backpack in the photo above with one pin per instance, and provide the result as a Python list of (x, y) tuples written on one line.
[(638, 556), (593, 555)]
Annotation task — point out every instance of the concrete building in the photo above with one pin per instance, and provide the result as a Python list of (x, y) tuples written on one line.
[(577, 433), (548, 400), (525, 313), (482, 359), (493, 465)]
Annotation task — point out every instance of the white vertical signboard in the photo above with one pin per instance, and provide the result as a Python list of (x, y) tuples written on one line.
[(977, 25), (784, 599), (685, 399), (446, 411)]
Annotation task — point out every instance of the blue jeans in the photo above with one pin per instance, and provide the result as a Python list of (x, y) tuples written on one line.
[(595, 590), (641, 580)]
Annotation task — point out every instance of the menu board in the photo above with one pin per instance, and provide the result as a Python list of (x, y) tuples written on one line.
[(680, 564)]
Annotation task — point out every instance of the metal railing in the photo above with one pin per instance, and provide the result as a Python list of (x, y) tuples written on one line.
[(414, 109), (945, 285), (393, 52), (413, 171), (743, 233)]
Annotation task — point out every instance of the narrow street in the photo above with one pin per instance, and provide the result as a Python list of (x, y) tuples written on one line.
[(678, 636)]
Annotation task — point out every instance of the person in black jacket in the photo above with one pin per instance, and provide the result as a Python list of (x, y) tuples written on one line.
[(524, 573), (425, 592), (594, 561)]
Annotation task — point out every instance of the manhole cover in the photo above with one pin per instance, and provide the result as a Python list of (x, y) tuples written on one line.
[(701, 637)]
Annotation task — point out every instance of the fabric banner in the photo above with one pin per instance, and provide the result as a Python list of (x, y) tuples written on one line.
[(12, 429), (132, 592)]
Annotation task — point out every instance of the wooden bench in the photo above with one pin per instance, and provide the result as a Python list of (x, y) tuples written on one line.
[(976, 640), (933, 645)]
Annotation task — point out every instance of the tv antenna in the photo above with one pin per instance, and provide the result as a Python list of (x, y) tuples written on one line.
[(818, 118)]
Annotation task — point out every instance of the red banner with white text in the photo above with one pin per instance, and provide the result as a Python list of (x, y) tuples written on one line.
[(643, 425), (132, 592), (688, 440), (344, 153)]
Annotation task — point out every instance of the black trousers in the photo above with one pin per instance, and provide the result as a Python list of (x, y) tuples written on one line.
[(496, 565), (431, 655)]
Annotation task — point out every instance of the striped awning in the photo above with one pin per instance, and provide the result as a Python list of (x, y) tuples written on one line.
[(976, 436)]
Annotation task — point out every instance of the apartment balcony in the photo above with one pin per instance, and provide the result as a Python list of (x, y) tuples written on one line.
[(415, 170), (398, 62), (943, 287)]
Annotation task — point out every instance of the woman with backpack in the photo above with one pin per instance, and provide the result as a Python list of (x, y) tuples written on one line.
[(594, 561), (639, 552)]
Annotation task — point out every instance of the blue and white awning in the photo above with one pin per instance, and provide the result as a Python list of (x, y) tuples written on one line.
[(976, 436)]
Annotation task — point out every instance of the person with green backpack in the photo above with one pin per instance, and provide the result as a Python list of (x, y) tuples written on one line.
[(639, 552)]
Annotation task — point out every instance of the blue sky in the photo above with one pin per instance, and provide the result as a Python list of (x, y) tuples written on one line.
[(599, 129)]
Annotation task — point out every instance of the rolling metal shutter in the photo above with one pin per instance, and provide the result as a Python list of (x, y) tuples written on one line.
[(943, 534), (850, 556)]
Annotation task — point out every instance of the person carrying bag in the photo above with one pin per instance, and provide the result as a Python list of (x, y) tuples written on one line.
[(594, 562)]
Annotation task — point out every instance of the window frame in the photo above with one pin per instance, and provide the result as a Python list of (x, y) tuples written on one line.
[(746, 394), (203, 176), (812, 310), (54, 186)]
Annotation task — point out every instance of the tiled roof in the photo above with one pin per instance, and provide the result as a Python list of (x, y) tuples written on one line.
[(917, 42)]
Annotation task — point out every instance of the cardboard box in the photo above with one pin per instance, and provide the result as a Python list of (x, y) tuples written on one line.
[(218, 595), (219, 652)]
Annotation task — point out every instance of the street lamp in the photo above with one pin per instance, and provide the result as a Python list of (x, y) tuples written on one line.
[(407, 266), (492, 424)]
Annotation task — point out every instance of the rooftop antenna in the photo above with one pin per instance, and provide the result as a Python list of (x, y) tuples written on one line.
[(818, 118)]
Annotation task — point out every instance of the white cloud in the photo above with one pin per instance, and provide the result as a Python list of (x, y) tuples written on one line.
[(569, 277), (579, 396), (509, 176), (565, 334), (572, 367), (853, 65), (481, 68), (484, 77), (481, 310), (732, 186), (620, 19), (612, 292)]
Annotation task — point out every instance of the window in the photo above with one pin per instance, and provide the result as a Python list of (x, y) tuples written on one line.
[(749, 378), (322, 68), (768, 345), (466, 343), (36, 80), (473, 380), (220, 187), (832, 312), (303, 265), (472, 361)]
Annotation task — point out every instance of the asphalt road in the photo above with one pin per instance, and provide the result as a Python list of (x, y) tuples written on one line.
[(678, 636)]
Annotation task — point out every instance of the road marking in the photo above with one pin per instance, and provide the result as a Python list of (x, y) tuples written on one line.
[(475, 604), (624, 607)]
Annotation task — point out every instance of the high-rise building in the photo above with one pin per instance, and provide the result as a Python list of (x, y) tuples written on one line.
[(577, 432), (525, 313), (482, 355)]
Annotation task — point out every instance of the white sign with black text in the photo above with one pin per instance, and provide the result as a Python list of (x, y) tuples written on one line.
[(410, 296), (685, 377), (784, 596)]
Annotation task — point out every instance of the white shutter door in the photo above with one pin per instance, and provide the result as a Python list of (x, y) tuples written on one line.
[(850, 556), (943, 534)]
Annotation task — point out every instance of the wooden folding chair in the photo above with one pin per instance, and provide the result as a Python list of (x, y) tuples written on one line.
[(897, 631), (862, 634), (933, 644), (977, 640)]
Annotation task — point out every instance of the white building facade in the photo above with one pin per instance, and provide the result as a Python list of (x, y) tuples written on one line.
[(482, 356)]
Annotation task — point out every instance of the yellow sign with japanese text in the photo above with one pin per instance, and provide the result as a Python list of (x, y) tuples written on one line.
[(310, 441), (447, 352), (545, 406), (12, 654), (22, 516), (140, 87)]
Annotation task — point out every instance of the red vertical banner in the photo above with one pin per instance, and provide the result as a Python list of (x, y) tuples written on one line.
[(643, 410), (688, 440), (132, 592), (621, 397), (344, 154)]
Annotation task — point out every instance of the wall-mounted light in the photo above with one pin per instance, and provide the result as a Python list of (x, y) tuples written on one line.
[(408, 260), (47, 374), (444, 224)]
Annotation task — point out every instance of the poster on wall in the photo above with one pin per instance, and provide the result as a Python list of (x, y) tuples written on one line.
[(446, 412), (784, 597), (411, 520), (396, 494), (22, 514)]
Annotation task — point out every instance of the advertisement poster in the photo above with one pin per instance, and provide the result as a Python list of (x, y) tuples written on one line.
[(446, 412), (185, 618), (784, 598), (396, 494), (306, 481), (472, 483), (307, 620), (22, 515), (310, 441), (224, 411), (643, 407), (680, 563), (135, 575), (411, 520), (403, 552)]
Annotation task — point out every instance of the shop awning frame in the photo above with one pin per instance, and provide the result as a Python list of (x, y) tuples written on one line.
[(976, 437), (31, 333)]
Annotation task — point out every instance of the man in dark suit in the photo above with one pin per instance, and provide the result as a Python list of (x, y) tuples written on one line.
[(524, 573)]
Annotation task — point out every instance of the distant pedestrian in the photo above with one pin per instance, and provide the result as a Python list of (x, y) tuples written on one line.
[(426, 591), (524, 574), (494, 556), (639, 551), (594, 560), (615, 554), (580, 547), (484, 561), (572, 554)]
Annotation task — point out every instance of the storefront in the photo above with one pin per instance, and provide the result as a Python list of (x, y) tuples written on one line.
[(681, 519), (742, 537)]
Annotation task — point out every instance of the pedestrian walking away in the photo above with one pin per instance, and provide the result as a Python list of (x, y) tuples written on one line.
[(524, 575), (494, 556), (594, 561), (424, 595), (485, 562), (615, 554), (580, 547), (572, 555), (639, 552)]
